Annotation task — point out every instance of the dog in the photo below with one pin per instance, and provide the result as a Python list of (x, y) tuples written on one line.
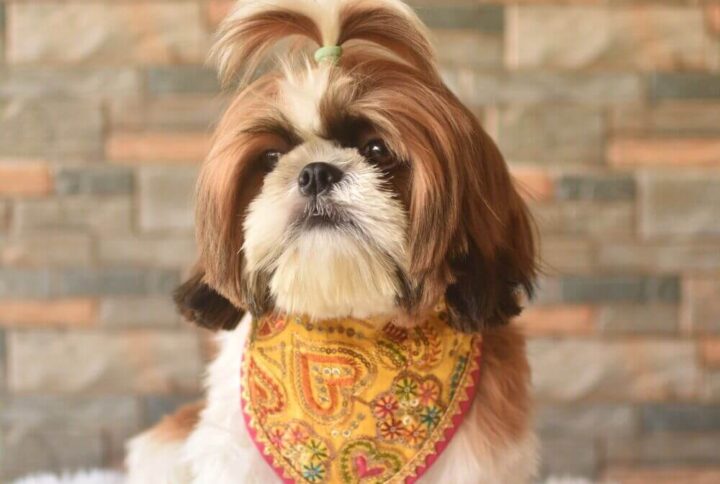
[(349, 188)]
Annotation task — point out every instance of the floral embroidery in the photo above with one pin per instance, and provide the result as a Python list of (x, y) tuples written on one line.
[(349, 401), (309, 454)]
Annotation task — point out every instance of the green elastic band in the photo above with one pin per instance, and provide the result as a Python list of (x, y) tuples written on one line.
[(330, 53)]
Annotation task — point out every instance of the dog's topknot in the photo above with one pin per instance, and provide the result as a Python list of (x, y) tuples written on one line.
[(249, 33)]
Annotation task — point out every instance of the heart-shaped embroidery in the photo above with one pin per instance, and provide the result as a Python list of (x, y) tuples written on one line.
[(362, 462), (327, 379), (362, 469)]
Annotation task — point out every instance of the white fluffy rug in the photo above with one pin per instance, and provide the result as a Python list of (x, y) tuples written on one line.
[(84, 477), (108, 477)]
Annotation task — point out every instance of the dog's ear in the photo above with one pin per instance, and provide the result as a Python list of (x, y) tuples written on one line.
[(470, 237), (495, 262), (204, 306)]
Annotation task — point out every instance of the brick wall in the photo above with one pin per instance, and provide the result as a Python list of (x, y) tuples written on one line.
[(608, 112)]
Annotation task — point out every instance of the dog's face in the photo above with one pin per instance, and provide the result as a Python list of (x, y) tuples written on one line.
[(358, 189)]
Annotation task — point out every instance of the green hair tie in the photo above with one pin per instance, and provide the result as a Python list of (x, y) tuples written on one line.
[(331, 53)]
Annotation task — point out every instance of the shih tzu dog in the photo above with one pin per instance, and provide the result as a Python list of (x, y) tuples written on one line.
[(363, 251)]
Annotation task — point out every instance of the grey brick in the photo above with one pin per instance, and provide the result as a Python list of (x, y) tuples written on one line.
[(586, 420), (659, 256), (684, 85), (579, 289), (570, 370), (567, 255), (3, 352), (56, 434), (115, 83), (586, 187), (553, 134), (681, 204), (480, 88), (105, 215), (668, 118), (577, 457), (469, 48), (46, 250), (678, 417), (95, 363), (178, 252), (486, 18), (665, 450), (50, 128), (94, 180), (172, 113), (4, 215), (166, 198), (155, 407), (2, 31), (18, 283), (181, 80), (138, 311), (585, 218), (636, 319), (113, 281)]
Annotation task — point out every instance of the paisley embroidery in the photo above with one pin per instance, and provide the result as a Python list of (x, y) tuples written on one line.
[(349, 401), (267, 394)]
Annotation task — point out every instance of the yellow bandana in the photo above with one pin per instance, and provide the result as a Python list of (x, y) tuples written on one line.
[(350, 401)]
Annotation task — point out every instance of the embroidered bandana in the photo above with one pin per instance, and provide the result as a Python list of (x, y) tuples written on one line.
[(351, 401)]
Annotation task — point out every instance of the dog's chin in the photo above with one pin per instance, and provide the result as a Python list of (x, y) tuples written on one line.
[(329, 272)]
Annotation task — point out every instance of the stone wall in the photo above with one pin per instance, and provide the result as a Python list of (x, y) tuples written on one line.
[(608, 113)]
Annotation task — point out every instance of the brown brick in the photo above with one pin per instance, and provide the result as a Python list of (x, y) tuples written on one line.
[(710, 349), (158, 147), (533, 183), (74, 32), (664, 152), (558, 320), (146, 362), (701, 311), (24, 178), (217, 10), (171, 113), (698, 450), (64, 312), (635, 37), (712, 17), (665, 475), (470, 47), (172, 251)]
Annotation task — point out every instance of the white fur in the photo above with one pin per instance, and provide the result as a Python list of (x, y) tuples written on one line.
[(322, 272)]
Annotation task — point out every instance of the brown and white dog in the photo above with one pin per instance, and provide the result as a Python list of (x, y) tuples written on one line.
[(357, 187)]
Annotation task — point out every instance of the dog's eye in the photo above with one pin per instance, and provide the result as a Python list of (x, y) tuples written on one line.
[(269, 159), (377, 152)]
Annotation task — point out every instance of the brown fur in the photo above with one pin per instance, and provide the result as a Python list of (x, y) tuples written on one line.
[(178, 426), (470, 236), (503, 398)]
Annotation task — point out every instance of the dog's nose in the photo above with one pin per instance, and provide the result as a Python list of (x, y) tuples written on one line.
[(317, 178)]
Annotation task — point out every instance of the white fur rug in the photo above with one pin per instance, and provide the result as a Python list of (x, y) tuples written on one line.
[(84, 477), (108, 477)]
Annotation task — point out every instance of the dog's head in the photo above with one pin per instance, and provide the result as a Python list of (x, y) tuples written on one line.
[(355, 185)]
